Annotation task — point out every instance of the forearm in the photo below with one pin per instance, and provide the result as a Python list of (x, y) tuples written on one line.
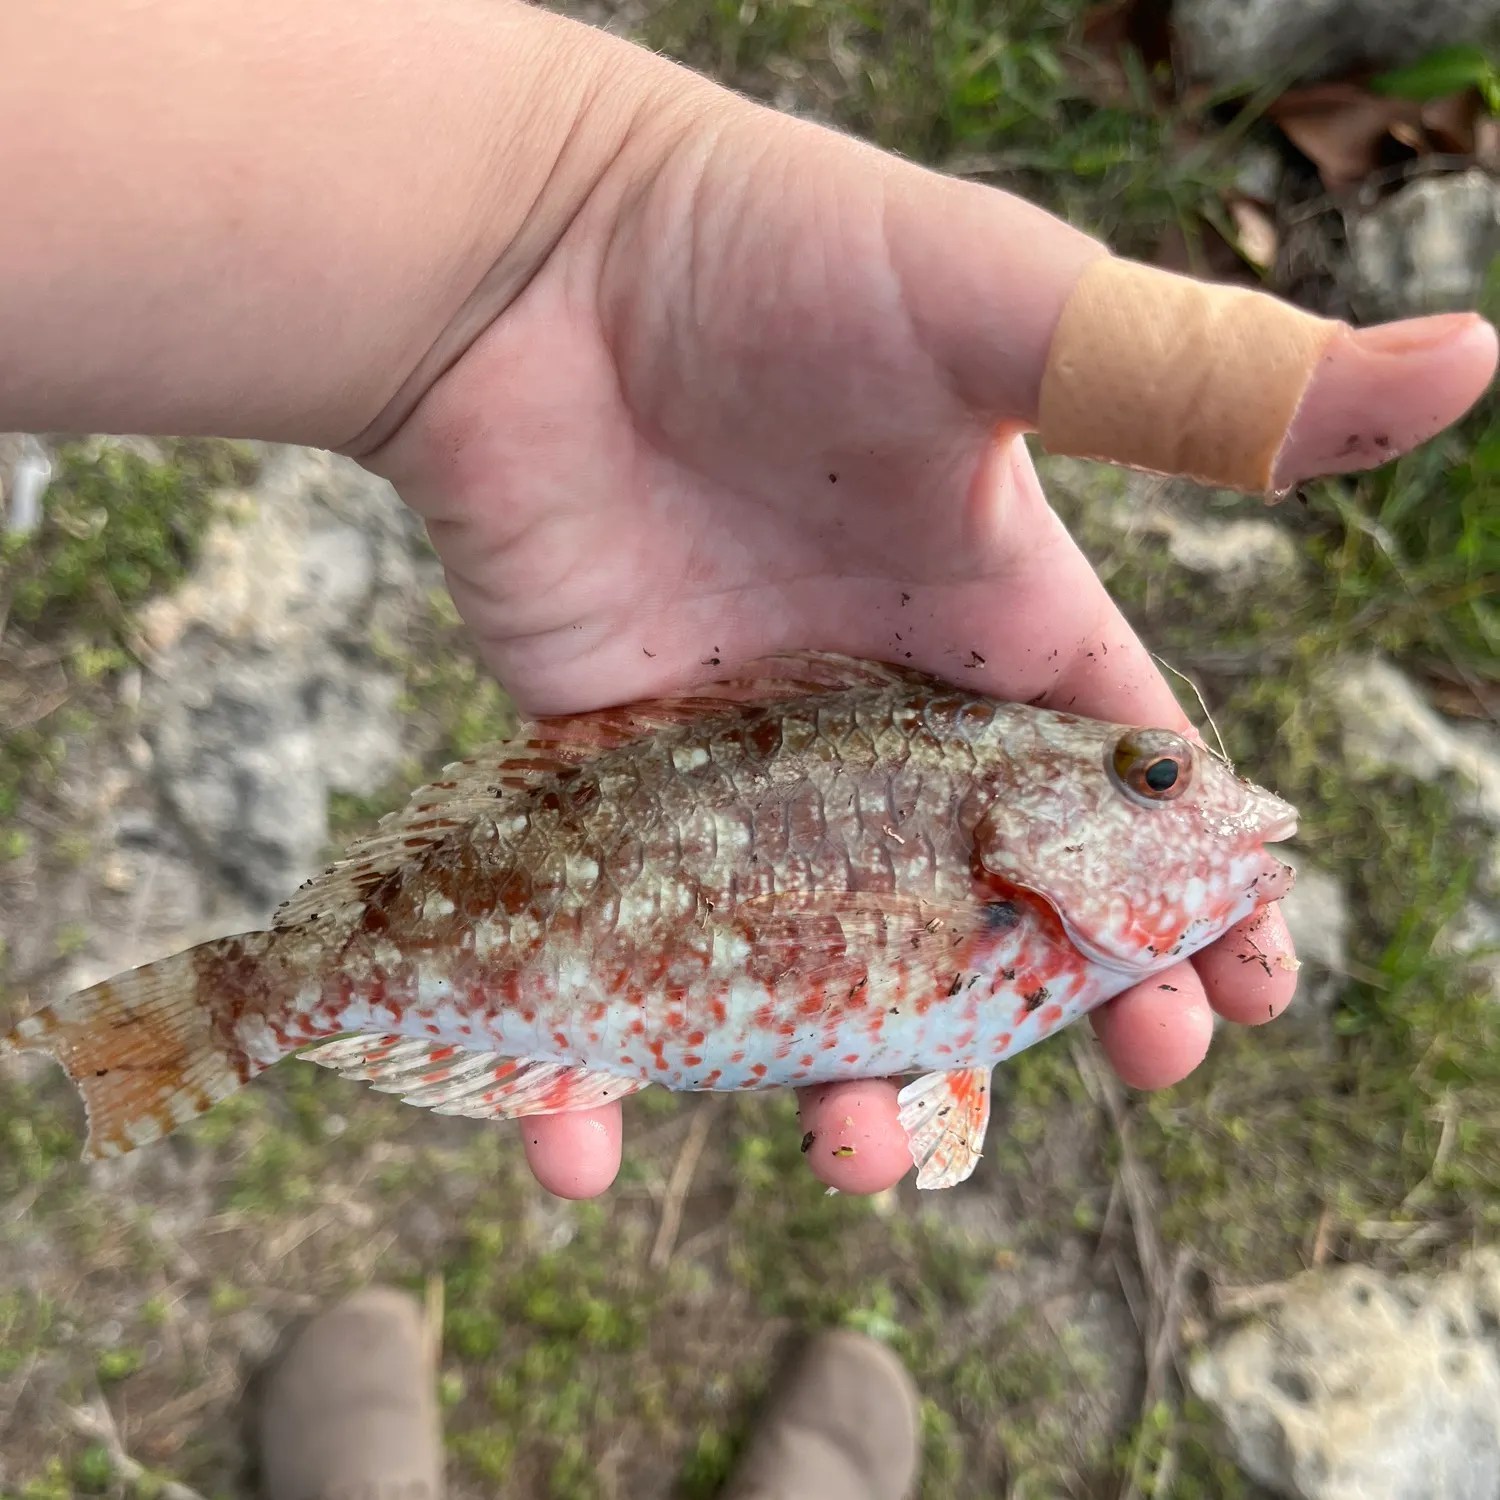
[(273, 220)]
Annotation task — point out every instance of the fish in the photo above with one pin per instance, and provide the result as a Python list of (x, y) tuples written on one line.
[(813, 869)]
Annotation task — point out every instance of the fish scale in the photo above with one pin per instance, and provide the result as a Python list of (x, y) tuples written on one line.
[(815, 870)]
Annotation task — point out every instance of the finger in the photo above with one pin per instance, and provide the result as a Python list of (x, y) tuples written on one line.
[(1064, 643), (1156, 1033), (1250, 973), (852, 1135), (1126, 363), (1109, 674), (575, 1155), (1382, 391)]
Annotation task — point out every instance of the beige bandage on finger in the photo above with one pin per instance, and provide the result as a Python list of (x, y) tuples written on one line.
[(1175, 376)]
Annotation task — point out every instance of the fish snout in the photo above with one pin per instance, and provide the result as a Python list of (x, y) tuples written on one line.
[(1273, 819)]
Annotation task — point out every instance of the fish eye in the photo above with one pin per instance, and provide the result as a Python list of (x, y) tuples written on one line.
[(1152, 766)]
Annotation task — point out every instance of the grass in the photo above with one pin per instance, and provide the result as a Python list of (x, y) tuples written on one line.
[(119, 526), (573, 1369), (1000, 88)]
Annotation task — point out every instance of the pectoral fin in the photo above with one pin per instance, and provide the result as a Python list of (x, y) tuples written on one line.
[(944, 1116)]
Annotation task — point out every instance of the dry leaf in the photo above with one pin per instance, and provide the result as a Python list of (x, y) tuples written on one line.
[(1211, 257), (1451, 123), (1341, 127), (1140, 25), (1258, 240), (1487, 143), (1348, 132), (1409, 135)]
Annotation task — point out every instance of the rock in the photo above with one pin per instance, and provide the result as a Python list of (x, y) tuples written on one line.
[(1425, 249), (238, 764), (1235, 554), (1317, 913), (25, 473), (1258, 171), (1360, 1386), (1232, 41), (1390, 727), (1474, 936), (268, 692)]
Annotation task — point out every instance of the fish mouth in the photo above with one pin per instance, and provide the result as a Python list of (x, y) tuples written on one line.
[(1280, 831), (1275, 821)]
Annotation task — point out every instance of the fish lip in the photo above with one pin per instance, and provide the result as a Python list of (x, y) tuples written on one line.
[(1274, 820), (1281, 830)]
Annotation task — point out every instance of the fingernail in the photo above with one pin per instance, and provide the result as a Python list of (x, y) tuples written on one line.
[(1412, 335), (1380, 392)]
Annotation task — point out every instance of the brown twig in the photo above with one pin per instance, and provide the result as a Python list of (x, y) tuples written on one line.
[(96, 1422), (1323, 1237), (433, 1309), (1235, 1301), (705, 1239), (1164, 1289), (677, 1186), (165, 1417)]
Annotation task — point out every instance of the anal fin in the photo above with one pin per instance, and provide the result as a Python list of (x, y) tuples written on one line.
[(450, 1080), (945, 1116)]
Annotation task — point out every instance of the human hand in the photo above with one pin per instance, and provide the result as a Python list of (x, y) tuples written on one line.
[(767, 392)]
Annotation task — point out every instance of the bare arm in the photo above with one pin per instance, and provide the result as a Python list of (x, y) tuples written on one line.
[(259, 220)]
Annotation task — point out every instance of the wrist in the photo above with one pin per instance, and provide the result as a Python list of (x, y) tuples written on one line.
[(595, 120), (260, 221)]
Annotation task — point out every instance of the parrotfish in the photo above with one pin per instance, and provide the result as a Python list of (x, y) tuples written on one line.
[(815, 869)]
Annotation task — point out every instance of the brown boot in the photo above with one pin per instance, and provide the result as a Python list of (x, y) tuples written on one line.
[(349, 1412), (842, 1424)]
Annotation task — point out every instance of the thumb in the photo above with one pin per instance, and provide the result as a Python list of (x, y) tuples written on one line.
[(1109, 359)]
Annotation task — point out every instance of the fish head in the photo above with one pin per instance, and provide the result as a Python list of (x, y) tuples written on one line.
[(1146, 844)]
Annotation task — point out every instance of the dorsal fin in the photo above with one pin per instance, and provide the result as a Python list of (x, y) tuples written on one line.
[(466, 790), (543, 748), (767, 679)]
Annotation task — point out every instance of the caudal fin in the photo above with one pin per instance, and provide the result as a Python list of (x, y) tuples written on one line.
[(143, 1050)]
